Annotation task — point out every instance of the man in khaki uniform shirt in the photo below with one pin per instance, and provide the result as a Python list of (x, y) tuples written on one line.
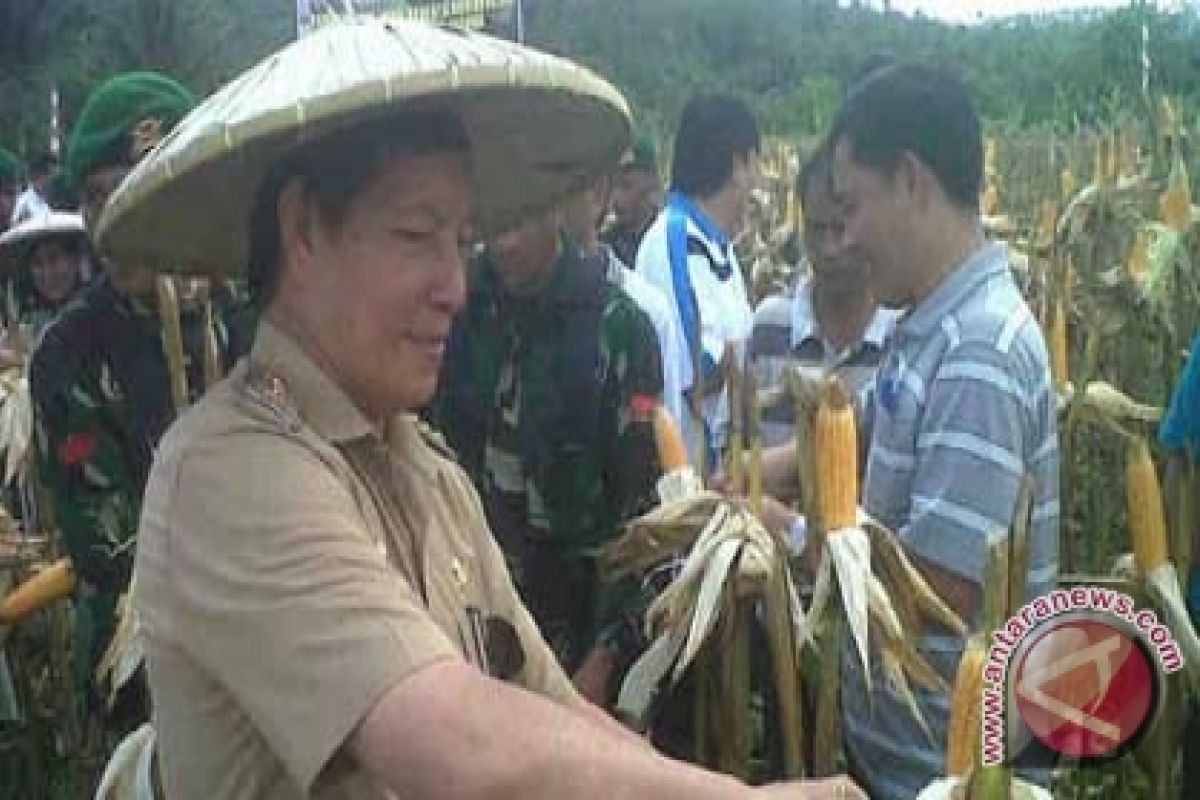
[(379, 563), (324, 611)]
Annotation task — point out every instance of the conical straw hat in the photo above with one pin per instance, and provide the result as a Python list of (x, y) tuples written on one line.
[(538, 127), (16, 242)]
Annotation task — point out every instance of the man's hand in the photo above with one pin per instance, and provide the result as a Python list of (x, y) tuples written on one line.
[(839, 788), (780, 473), (594, 674), (777, 518)]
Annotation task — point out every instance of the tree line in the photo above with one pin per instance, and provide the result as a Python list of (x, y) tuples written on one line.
[(791, 58)]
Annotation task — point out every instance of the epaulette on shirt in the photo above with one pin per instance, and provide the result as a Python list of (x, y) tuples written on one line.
[(269, 392)]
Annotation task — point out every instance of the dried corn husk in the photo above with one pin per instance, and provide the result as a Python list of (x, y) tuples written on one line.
[(172, 340), (1175, 204), (16, 424), (124, 653), (130, 772), (1138, 262)]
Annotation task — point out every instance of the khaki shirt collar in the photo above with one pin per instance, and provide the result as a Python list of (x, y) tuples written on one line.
[(320, 402), (326, 408)]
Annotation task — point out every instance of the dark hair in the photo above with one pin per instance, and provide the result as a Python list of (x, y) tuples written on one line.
[(713, 130), (334, 169), (818, 167), (869, 66), (911, 108), (25, 291)]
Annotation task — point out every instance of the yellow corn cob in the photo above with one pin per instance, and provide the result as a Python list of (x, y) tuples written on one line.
[(672, 452), (835, 442), (1147, 521), (962, 746), (1175, 204), (1059, 369), (52, 583), (1139, 256)]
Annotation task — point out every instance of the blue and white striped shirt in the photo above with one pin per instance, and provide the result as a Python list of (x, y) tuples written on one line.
[(963, 409)]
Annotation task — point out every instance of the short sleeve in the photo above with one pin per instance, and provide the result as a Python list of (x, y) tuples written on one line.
[(282, 596)]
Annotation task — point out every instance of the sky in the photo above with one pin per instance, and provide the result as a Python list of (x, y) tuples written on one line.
[(971, 10)]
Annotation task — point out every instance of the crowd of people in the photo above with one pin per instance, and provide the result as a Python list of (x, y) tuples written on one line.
[(366, 556)]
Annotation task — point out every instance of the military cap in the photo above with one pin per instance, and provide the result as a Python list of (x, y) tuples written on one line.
[(122, 120)]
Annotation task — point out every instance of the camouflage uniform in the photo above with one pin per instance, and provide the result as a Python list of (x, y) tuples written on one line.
[(537, 399), (101, 397), (624, 240)]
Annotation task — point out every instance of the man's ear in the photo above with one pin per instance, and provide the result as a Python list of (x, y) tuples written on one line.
[(298, 224), (914, 180)]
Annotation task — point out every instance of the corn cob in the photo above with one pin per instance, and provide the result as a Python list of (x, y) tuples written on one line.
[(835, 442), (52, 583), (672, 452), (1058, 345), (1175, 204), (962, 745), (1147, 523)]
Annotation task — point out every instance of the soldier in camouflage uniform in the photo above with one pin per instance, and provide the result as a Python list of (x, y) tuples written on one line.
[(547, 367), (99, 377), (637, 197)]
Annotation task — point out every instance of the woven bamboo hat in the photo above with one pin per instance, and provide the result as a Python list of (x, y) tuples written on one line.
[(538, 125), (16, 243)]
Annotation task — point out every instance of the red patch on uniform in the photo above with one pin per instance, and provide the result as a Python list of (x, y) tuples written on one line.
[(78, 448), (642, 407)]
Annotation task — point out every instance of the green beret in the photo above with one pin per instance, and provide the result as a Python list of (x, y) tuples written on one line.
[(643, 155), (122, 120), (10, 167)]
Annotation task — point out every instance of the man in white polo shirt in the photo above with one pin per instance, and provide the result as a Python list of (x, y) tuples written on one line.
[(688, 254)]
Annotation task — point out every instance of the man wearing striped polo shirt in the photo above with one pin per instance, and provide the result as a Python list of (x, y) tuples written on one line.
[(830, 323), (963, 406)]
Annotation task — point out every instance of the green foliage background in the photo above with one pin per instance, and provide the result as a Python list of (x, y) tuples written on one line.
[(791, 58)]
